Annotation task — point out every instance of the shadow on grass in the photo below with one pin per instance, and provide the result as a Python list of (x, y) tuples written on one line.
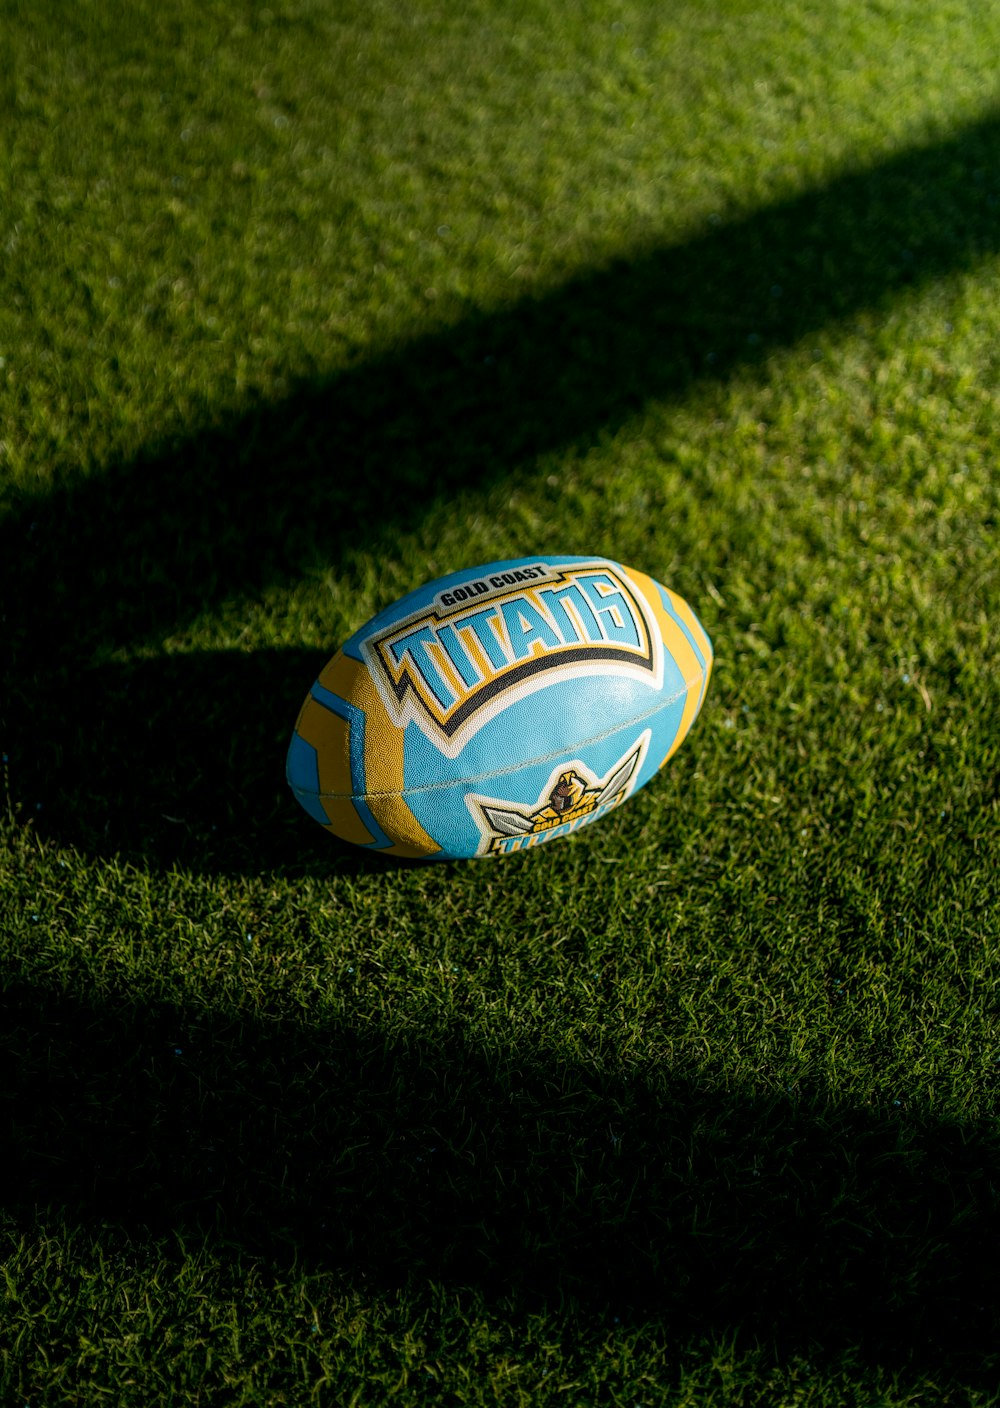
[(809, 1226), (120, 558), (181, 758)]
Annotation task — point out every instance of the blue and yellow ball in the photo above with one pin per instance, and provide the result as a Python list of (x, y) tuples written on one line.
[(499, 708)]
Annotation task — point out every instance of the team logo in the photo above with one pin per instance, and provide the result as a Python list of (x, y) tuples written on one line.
[(487, 642), (572, 797)]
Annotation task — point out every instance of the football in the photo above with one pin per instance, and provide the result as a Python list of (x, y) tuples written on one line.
[(499, 708)]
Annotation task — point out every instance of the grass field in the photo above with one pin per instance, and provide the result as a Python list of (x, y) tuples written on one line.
[(302, 305)]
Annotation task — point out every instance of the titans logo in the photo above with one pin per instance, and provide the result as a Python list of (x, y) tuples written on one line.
[(483, 644)]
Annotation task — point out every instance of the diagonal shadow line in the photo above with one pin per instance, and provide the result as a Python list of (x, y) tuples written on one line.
[(269, 494), (136, 550), (813, 1225)]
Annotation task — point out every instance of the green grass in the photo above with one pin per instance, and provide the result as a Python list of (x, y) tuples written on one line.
[(301, 306)]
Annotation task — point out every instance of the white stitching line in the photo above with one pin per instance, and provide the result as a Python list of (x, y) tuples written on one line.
[(505, 772)]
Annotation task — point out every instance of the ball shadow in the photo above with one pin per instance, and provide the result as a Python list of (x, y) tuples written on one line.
[(178, 760)]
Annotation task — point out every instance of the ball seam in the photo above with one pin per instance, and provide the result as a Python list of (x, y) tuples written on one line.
[(518, 767)]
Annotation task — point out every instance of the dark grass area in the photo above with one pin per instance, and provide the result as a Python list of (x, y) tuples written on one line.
[(810, 1224)]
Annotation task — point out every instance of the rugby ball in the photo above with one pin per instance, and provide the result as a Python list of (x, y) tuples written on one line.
[(499, 708)]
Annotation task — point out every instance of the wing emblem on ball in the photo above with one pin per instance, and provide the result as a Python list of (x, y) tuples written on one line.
[(573, 797)]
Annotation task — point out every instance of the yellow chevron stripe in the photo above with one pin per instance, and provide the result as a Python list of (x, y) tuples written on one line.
[(698, 631), (676, 644), (329, 734), (351, 680)]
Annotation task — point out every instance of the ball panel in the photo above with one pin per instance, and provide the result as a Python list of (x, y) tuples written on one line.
[(518, 787), (535, 803), (303, 777), (570, 713), (375, 751), (327, 733), (696, 630), (691, 651)]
